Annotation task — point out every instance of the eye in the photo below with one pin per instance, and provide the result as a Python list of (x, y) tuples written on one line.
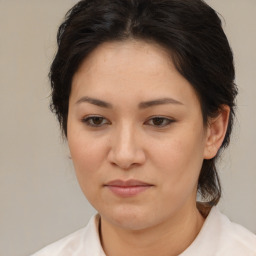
[(159, 121), (95, 121)]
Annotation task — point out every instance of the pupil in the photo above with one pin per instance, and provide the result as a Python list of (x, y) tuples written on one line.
[(97, 120), (158, 121)]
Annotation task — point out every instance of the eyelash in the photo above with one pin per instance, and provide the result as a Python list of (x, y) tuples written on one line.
[(89, 121), (167, 121)]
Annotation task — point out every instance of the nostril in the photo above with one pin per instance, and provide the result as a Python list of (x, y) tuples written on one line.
[(126, 160), (125, 149)]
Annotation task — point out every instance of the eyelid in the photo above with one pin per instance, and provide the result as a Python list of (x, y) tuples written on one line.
[(168, 119), (87, 119)]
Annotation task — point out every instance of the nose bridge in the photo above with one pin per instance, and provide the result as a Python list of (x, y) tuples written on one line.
[(125, 141), (125, 148)]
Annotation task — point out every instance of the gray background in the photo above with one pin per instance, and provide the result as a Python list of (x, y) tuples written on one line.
[(40, 200)]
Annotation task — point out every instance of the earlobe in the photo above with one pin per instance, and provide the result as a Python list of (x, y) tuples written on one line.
[(216, 131)]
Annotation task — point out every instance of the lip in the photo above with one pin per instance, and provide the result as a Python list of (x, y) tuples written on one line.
[(128, 188)]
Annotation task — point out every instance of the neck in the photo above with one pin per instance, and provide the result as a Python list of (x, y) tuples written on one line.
[(169, 238)]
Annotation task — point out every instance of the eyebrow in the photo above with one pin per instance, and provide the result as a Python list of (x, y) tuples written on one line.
[(156, 102), (94, 101), (142, 105)]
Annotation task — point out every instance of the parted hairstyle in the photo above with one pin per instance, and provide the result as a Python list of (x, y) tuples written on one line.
[(190, 31)]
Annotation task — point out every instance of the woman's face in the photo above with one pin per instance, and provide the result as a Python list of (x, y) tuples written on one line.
[(136, 135)]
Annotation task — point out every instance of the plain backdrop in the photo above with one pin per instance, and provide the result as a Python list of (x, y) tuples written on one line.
[(40, 200)]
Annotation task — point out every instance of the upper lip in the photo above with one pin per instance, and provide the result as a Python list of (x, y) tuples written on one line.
[(127, 183)]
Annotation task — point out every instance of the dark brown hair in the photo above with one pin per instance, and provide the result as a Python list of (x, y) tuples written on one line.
[(189, 29)]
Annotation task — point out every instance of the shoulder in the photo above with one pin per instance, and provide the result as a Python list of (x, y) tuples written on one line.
[(219, 236), (235, 237), (82, 242)]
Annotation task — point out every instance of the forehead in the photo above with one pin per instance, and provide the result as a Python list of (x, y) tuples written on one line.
[(124, 55), (136, 69)]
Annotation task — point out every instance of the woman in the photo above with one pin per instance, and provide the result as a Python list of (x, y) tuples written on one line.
[(144, 92)]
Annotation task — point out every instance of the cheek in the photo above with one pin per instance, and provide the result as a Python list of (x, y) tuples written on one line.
[(180, 160), (87, 155), (87, 159)]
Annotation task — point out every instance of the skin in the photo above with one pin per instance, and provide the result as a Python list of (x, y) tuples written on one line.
[(129, 142)]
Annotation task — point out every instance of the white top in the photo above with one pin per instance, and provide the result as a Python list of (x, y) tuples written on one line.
[(218, 237)]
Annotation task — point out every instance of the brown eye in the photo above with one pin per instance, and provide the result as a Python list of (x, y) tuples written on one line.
[(95, 121), (159, 121)]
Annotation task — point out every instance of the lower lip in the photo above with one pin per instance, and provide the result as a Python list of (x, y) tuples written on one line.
[(128, 191)]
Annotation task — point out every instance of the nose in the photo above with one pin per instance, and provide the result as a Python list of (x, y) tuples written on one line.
[(126, 150)]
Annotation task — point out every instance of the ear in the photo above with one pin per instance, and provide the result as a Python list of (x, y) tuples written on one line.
[(216, 131)]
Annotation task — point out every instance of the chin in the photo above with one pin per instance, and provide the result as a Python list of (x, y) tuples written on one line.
[(129, 218)]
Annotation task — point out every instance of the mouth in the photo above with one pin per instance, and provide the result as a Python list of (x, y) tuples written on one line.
[(127, 188)]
